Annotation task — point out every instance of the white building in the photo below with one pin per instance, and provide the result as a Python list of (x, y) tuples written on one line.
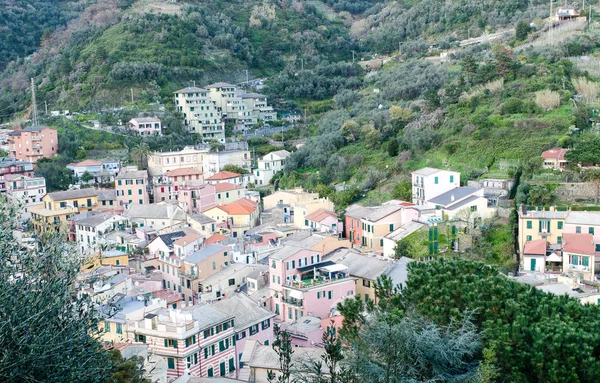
[(464, 203), (89, 230), (26, 191), (157, 216), (200, 113), (429, 183), (270, 164)]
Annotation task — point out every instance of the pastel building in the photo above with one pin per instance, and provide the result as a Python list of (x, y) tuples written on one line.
[(201, 114), (26, 191), (89, 230), (198, 266), (541, 224), (463, 203), (579, 256), (132, 187), (57, 208), (288, 197), (325, 221), (166, 187), (159, 163), (197, 197), (146, 126), (269, 165), (197, 340), (429, 183), (32, 143), (301, 284), (238, 217), (10, 167)]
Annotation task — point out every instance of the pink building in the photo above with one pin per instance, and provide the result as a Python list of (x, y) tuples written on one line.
[(131, 186), (9, 166), (200, 339), (303, 285), (146, 126), (166, 187), (32, 143), (252, 322), (197, 198)]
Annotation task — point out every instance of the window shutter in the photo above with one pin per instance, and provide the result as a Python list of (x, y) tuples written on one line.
[(166, 343), (206, 353), (575, 260), (540, 224), (174, 344), (548, 226)]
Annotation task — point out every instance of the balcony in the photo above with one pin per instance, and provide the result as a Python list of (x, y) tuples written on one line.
[(293, 301), (36, 138), (578, 267), (188, 275)]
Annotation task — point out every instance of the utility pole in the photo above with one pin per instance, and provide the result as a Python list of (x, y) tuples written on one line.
[(194, 82), (247, 76), (132, 95), (34, 104), (46, 107)]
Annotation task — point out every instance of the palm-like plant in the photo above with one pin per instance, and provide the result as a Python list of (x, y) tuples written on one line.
[(139, 154), (593, 175)]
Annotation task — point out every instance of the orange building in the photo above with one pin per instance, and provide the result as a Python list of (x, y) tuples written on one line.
[(32, 143)]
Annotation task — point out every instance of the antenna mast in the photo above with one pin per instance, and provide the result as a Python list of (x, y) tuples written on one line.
[(34, 104)]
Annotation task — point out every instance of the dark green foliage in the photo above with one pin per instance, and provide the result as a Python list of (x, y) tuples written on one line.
[(57, 176), (531, 331), (586, 151), (403, 191), (411, 80), (235, 169), (46, 333), (522, 30)]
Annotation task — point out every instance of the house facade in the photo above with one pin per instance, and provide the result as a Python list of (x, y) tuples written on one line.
[(26, 191), (11, 167), (146, 126), (200, 114), (132, 187), (555, 159), (429, 183), (32, 143), (57, 208), (268, 165), (541, 224)]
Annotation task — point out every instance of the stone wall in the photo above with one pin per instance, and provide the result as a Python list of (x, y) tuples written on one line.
[(571, 191)]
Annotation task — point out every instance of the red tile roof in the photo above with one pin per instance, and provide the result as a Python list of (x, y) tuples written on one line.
[(183, 172), (237, 208), (321, 214), (579, 243), (88, 163), (223, 175), (557, 154), (215, 238), (537, 247), (226, 186)]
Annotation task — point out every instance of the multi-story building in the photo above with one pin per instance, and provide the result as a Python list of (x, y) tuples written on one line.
[(301, 284), (159, 163), (90, 230), (146, 126), (26, 191), (429, 183), (32, 143), (325, 221), (270, 164), (56, 208), (196, 198), (239, 216), (225, 176), (132, 187), (256, 104), (215, 161), (541, 224), (579, 256), (368, 226), (10, 166), (156, 216), (226, 282), (464, 203), (166, 187), (200, 113), (198, 340), (195, 268), (288, 197)]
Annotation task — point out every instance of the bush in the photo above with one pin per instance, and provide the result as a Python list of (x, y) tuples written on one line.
[(547, 99), (512, 106)]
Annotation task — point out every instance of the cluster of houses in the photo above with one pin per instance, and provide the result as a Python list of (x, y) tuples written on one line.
[(206, 110)]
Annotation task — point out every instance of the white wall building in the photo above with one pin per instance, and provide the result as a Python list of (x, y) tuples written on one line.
[(429, 183), (27, 191), (270, 164)]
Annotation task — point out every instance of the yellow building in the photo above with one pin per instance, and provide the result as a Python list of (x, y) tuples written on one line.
[(114, 258), (541, 224), (238, 216), (288, 197), (57, 208), (305, 208)]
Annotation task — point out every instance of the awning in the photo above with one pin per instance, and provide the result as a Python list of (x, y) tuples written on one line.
[(296, 294), (554, 258), (435, 219), (319, 265), (334, 268)]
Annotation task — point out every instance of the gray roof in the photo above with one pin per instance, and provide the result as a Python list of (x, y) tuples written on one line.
[(107, 195), (207, 315), (286, 252), (145, 119), (426, 171), (399, 271), (132, 174), (191, 89), (72, 194), (33, 129), (246, 311), (201, 218), (361, 266), (358, 211), (113, 253), (169, 238), (382, 212), (458, 193), (464, 202), (253, 95), (583, 217), (204, 253), (96, 219), (220, 85), (266, 357), (404, 231), (155, 211)]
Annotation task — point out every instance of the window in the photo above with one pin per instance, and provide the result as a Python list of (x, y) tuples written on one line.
[(266, 324), (119, 182), (529, 224), (231, 365), (241, 335), (381, 242), (140, 338), (222, 370), (366, 283), (273, 264), (585, 261), (451, 179), (559, 240), (528, 238), (560, 225), (578, 229), (254, 329), (119, 328), (391, 227), (190, 341), (232, 282), (591, 230), (574, 260), (330, 294), (214, 265), (106, 326), (435, 180), (129, 192), (474, 208), (171, 363), (170, 343), (140, 191)]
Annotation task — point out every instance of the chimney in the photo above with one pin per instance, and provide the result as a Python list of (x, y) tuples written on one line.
[(452, 197)]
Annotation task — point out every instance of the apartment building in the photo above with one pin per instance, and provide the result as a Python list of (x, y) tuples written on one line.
[(90, 230), (132, 187), (26, 191), (215, 161), (198, 266), (429, 183), (238, 216), (146, 126), (541, 224), (201, 114), (57, 208), (10, 166), (166, 187), (198, 340), (32, 143), (256, 103), (269, 165), (303, 285), (159, 163), (196, 198)]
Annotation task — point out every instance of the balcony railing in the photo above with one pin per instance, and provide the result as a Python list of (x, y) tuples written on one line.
[(308, 283), (188, 275), (578, 267), (293, 301)]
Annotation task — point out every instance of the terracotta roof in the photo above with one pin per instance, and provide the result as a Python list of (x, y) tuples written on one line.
[(226, 186), (237, 208), (223, 175), (88, 163), (215, 238), (579, 243), (320, 215), (189, 238), (246, 202), (557, 154), (537, 247), (182, 172)]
